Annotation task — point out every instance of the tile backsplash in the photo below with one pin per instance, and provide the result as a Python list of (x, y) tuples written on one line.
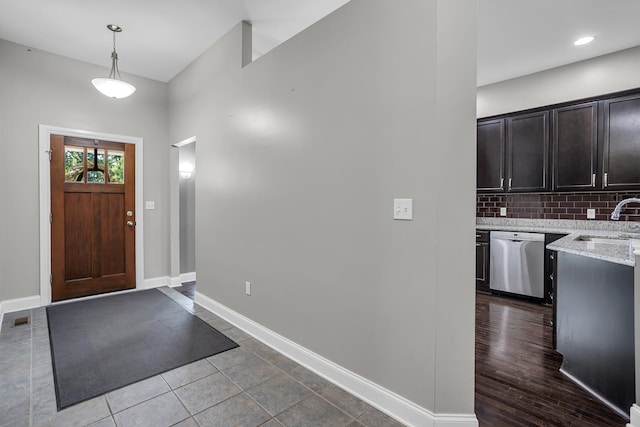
[(571, 206)]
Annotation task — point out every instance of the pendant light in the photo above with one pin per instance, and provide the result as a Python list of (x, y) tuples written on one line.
[(113, 86)]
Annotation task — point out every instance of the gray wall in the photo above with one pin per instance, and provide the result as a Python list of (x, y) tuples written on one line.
[(306, 148), (37, 87), (187, 154), (598, 76)]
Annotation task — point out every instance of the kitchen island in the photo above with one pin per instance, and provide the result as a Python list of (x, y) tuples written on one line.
[(595, 314)]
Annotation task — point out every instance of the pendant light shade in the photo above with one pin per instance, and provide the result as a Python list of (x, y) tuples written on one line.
[(113, 86)]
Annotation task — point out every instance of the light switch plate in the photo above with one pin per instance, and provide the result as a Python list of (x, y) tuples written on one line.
[(149, 204), (503, 211), (403, 209), (591, 214), (247, 288)]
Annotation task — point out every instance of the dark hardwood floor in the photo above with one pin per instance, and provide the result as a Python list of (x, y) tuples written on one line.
[(518, 382)]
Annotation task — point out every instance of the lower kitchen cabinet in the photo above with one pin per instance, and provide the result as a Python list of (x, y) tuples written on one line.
[(482, 261), (595, 327), (549, 263)]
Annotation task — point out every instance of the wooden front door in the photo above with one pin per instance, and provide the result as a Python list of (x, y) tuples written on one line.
[(92, 217)]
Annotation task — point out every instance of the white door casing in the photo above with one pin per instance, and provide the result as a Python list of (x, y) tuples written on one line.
[(45, 132)]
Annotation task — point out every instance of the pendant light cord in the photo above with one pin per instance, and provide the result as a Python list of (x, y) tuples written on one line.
[(115, 71)]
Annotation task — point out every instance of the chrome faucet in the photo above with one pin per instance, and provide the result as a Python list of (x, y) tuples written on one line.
[(615, 215)]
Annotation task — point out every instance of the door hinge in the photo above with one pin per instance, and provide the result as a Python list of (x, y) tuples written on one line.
[(50, 217), (50, 154), (50, 280)]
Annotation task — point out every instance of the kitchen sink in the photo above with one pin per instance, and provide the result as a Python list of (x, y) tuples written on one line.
[(604, 240)]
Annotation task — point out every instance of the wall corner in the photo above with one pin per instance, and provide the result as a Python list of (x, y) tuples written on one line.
[(247, 43)]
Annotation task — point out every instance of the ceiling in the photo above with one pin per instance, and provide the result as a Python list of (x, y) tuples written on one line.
[(160, 38)]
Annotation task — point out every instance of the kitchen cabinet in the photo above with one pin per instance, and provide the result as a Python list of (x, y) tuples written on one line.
[(621, 143), (490, 155), (587, 145), (595, 326), (575, 147), (549, 265), (482, 261), (550, 274), (528, 152)]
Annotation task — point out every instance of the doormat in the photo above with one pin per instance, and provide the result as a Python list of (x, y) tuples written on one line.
[(106, 343)]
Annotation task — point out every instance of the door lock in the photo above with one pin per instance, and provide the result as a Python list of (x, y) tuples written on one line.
[(130, 224), (129, 213)]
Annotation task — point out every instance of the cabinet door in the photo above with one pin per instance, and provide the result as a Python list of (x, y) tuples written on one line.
[(621, 148), (482, 266), (575, 150), (490, 156), (528, 152), (482, 272)]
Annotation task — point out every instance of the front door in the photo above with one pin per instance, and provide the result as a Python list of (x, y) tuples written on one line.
[(92, 217)]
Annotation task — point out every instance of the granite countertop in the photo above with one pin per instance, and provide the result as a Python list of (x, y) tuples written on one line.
[(612, 247), (614, 241)]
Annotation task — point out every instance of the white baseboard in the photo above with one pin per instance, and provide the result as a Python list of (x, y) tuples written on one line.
[(188, 277), (155, 282), (11, 305), (385, 400), (635, 416), (185, 277)]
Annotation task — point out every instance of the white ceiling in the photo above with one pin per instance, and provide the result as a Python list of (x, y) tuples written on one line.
[(161, 37), (519, 37)]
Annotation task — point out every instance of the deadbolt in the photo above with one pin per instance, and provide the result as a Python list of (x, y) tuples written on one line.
[(129, 213)]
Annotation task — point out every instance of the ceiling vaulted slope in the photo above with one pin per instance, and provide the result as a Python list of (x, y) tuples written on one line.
[(159, 38), (516, 37)]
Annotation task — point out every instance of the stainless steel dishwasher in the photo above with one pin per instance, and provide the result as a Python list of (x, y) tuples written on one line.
[(517, 263)]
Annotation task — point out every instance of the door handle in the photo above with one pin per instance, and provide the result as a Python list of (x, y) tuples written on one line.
[(130, 224)]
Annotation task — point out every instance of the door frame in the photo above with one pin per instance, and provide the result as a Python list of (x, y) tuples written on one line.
[(44, 135)]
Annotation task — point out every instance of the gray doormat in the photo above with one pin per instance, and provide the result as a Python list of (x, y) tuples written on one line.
[(106, 343)]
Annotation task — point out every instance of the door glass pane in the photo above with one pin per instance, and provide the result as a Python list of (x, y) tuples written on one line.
[(73, 164), (95, 165), (115, 166)]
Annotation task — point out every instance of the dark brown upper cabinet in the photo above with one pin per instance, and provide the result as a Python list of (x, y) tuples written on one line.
[(490, 156), (575, 147), (528, 152), (621, 144)]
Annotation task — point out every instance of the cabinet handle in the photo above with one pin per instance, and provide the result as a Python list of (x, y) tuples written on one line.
[(606, 179), (477, 236), (593, 179), (551, 256), (501, 182), (478, 244), (510, 184)]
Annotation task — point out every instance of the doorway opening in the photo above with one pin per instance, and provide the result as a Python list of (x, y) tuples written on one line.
[(186, 230)]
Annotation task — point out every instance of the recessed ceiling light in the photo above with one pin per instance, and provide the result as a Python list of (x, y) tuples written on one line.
[(583, 40)]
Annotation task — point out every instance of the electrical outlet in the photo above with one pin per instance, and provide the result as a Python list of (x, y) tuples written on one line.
[(247, 288), (591, 214), (503, 211)]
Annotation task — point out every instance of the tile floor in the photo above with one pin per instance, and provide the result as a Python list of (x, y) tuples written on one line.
[(252, 385)]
